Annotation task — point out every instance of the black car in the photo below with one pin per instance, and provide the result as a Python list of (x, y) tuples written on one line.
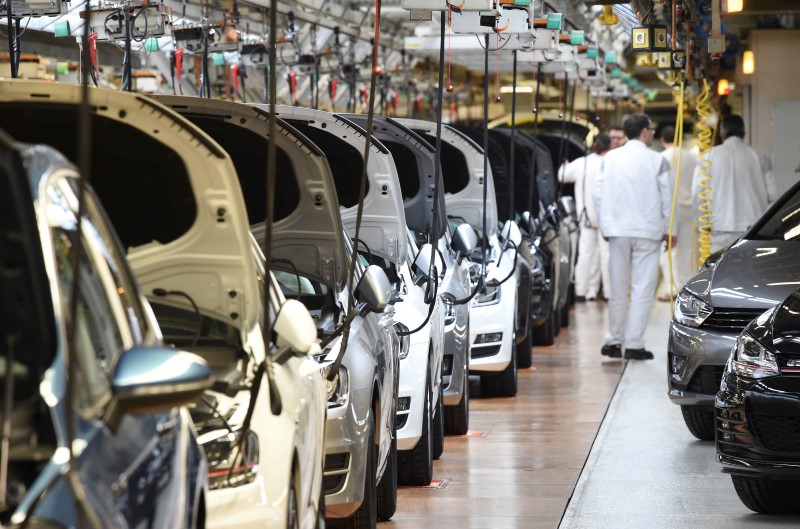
[(758, 411)]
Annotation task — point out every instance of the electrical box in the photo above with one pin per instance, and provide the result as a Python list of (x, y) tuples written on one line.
[(544, 39), (255, 55), (146, 21), (507, 20), (191, 39), (32, 8), (716, 44)]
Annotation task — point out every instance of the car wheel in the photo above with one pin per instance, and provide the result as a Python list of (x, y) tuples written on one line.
[(456, 418), (387, 487), (565, 315), (545, 333), (415, 467), (700, 422), (503, 384), (366, 516), (766, 496), (321, 508), (292, 516), (438, 426), (524, 351), (556, 322)]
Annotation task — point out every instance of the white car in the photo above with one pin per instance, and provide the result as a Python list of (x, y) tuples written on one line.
[(180, 213)]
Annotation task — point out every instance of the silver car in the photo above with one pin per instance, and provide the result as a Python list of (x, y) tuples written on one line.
[(756, 273)]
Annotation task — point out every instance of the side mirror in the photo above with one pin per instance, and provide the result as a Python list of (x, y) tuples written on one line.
[(295, 327), (151, 379), (464, 240), (422, 262), (374, 289)]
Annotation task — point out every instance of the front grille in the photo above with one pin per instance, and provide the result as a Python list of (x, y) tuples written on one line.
[(730, 319), (337, 465), (483, 352), (706, 380), (335, 462), (777, 432), (400, 421), (333, 484)]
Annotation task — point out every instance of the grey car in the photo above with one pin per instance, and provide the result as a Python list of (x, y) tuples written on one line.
[(137, 461), (756, 273)]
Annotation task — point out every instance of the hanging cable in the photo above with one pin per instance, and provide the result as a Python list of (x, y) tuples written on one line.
[(485, 242), (536, 76), (677, 157), (705, 136), (513, 147)]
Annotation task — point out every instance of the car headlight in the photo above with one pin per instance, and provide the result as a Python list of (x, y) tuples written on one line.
[(690, 311), (753, 360), (338, 387), (487, 296), (232, 459)]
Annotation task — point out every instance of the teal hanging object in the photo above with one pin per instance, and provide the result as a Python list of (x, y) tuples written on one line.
[(151, 44), (62, 29), (554, 20), (577, 37), (592, 53), (616, 73), (610, 57), (219, 59), (62, 68)]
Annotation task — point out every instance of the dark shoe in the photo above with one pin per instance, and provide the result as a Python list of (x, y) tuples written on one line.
[(638, 354), (580, 299), (612, 350), (591, 299)]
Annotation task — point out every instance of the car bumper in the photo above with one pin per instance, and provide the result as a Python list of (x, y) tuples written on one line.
[(455, 361), (244, 507), (758, 426), (695, 363), (490, 319), (413, 377), (345, 454)]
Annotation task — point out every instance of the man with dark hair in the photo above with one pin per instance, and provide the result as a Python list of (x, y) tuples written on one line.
[(738, 185), (617, 136), (592, 262), (682, 258), (633, 197)]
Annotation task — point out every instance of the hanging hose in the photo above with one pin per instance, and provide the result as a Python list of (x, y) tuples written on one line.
[(706, 141), (677, 156)]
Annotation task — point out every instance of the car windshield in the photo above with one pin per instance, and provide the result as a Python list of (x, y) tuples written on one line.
[(783, 222)]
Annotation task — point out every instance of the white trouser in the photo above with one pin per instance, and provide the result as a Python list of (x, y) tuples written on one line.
[(722, 239), (683, 267), (592, 264), (633, 264)]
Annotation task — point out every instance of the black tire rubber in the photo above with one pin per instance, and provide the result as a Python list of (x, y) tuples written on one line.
[(321, 507), (565, 315), (545, 333), (456, 418), (503, 384), (366, 516), (699, 421), (293, 515), (524, 351), (387, 487), (556, 322), (415, 466), (766, 496), (438, 426)]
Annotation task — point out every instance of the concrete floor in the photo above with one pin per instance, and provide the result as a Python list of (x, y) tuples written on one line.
[(645, 470)]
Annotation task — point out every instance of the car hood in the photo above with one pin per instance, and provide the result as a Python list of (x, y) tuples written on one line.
[(211, 258), (383, 222), (308, 233), (750, 275), (468, 202)]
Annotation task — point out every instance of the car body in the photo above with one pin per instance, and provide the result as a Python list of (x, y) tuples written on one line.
[(754, 274), (137, 461), (758, 411), (184, 222), (370, 366), (290, 444)]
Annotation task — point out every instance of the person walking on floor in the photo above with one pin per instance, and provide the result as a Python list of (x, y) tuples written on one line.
[(592, 264), (682, 258), (739, 188), (633, 198)]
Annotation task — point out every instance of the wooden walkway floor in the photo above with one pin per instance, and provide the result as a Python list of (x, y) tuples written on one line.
[(519, 465)]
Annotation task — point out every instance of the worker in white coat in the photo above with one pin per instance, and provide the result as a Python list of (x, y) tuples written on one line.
[(633, 197), (592, 265), (738, 185), (682, 258)]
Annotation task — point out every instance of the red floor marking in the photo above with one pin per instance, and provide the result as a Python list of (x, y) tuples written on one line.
[(476, 433)]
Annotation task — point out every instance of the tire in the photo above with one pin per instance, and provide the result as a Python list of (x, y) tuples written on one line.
[(415, 467), (766, 496), (524, 351), (321, 508), (556, 322), (699, 421), (387, 488), (366, 516), (504, 384), (292, 514), (565, 315), (438, 427), (456, 418), (545, 333)]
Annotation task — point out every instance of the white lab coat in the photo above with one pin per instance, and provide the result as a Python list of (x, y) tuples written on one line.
[(583, 173), (738, 188), (633, 194), (682, 253)]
